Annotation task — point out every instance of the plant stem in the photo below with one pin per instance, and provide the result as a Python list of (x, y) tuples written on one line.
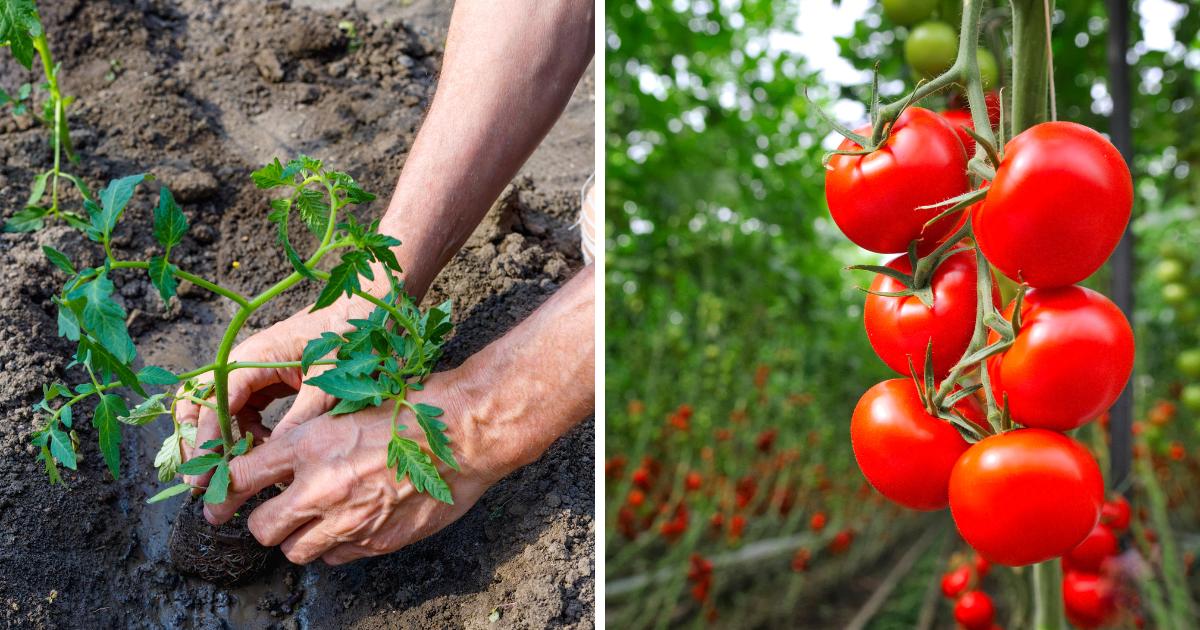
[(194, 279), (42, 45), (1047, 596), (1030, 88)]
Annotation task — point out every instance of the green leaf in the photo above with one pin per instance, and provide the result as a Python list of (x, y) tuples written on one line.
[(435, 433), (18, 26), (68, 318), (280, 212), (169, 457), (113, 199), (350, 188), (106, 365), (64, 416), (349, 406), (59, 259), (48, 462), (103, 318), (154, 375), (359, 364), (82, 186), (200, 465), (212, 445), (170, 224), (218, 486), (343, 279), (162, 276), (345, 386), (62, 449), (174, 490), (31, 219), (145, 412), (106, 421), (275, 175), (407, 458), (313, 209), (241, 446), (319, 348), (38, 189)]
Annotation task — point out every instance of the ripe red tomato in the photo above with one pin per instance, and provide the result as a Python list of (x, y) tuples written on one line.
[(982, 566), (1057, 207), (1088, 599), (1089, 555), (956, 581), (873, 198), (1025, 496), (900, 328), (959, 118), (1116, 513), (817, 522), (974, 610), (904, 452), (1069, 362)]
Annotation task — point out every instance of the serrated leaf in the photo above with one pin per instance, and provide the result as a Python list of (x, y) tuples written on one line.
[(200, 465), (64, 416), (435, 433), (58, 259), (169, 457), (319, 348), (241, 446), (274, 175), (113, 199), (106, 422), (281, 211), (343, 279), (359, 364), (106, 365), (50, 467), (174, 490), (61, 448), (313, 209), (30, 219), (212, 444), (68, 319), (146, 411), (409, 460), (162, 276), (103, 318), (218, 486), (348, 387), (154, 375), (38, 189), (349, 406), (18, 26), (170, 224)]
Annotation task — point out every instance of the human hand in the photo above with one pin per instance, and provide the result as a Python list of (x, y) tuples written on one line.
[(251, 390), (343, 502)]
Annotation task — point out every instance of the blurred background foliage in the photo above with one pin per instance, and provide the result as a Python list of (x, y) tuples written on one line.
[(726, 293)]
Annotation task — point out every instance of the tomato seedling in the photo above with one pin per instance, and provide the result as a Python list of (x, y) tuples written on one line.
[(22, 32), (380, 360)]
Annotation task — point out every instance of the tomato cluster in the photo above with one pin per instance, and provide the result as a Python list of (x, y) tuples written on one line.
[(973, 608), (1091, 571), (1059, 355)]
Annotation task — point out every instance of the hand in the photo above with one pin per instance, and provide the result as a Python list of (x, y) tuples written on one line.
[(343, 502), (251, 390)]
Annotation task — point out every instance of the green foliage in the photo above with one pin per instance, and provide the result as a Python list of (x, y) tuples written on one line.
[(380, 360), (19, 25)]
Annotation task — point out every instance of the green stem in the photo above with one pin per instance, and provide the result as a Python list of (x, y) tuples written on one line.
[(1047, 596), (194, 279), (1030, 82), (42, 46)]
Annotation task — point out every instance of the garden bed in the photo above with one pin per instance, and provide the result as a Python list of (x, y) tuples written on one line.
[(201, 93)]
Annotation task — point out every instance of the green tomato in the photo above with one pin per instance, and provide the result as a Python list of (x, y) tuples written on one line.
[(989, 72), (1174, 293), (1190, 397), (931, 48), (1169, 270), (1188, 363), (908, 12)]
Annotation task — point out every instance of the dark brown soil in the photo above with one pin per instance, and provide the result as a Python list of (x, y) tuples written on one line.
[(201, 93)]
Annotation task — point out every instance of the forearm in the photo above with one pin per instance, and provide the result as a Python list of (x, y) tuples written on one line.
[(509, 69), (537, 381)]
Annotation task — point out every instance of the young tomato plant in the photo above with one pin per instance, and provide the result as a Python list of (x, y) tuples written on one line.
[(21, 31), (380, 360)]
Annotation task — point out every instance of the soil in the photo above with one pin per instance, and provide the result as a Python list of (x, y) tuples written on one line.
[(202, 92)]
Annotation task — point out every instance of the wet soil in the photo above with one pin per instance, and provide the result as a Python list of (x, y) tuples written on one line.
[(201, 93)]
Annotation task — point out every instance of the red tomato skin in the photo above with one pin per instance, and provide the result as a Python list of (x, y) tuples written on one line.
[(1070, 361), (905, 453), (1059, 203), (1025, 496), (1090, 554), (956, 581), (900, 328), (982, 566), (959, 118), (873, 198), (974, 610), (1116, 513), (1088, 599)]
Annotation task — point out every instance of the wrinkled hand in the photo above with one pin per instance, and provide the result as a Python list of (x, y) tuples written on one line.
[(343, 502), (251, 390)]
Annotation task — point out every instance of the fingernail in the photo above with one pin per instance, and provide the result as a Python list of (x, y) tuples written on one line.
[(208, 516)]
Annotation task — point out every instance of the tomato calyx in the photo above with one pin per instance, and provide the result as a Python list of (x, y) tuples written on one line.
[(881, 118), (919, 283), (945, 406)]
